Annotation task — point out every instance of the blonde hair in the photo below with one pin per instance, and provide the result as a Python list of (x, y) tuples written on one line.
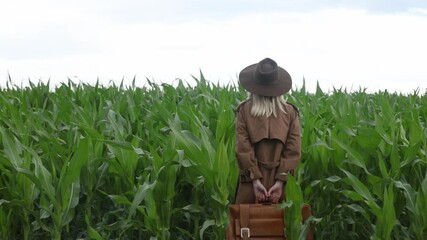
[(266, 106)]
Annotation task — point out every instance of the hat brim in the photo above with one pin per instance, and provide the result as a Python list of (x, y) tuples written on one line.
[(279, 87)]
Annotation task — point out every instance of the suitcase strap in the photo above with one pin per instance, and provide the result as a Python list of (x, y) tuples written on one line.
[(245, 232)]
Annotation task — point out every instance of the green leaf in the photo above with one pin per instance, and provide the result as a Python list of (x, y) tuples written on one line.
[(139, 196), (44, 177), (409, 193), (71, 169), (207, 223), (92, 233), (334, 178), (354, 156), (70, 199), (120, 200), (361, 189), (12, 148)]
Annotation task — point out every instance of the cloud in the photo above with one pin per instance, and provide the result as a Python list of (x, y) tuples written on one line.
[(49, 42), (420, 11), (188, 10)]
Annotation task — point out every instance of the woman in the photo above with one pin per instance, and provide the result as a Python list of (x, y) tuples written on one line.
[(268, 139)]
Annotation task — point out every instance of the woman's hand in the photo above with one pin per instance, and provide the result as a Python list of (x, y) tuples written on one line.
[(260, 192), (275, 192)]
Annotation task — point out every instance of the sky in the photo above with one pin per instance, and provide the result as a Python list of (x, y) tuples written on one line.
[(376, 45)]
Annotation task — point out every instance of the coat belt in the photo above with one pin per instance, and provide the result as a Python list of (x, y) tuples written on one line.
[(268, 165)]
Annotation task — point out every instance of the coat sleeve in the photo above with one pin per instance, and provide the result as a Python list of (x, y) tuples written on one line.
[(291, 153), (245, 155)]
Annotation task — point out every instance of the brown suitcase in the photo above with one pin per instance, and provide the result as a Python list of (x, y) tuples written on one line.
[(261, 222)]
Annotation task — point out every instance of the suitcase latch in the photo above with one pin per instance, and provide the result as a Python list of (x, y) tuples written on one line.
[(245, 230)]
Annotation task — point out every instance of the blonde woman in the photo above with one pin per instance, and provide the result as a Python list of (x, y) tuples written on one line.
[(268, 139)]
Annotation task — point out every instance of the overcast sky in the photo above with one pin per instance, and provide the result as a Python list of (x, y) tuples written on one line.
[(373, 44)]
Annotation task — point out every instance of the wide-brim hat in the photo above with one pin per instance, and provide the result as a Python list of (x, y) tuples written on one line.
[(265, 78)]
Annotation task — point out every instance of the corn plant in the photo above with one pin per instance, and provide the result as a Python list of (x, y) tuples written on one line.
[(156, 161)]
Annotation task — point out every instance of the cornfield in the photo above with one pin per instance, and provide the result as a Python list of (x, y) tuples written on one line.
[(157, 162)]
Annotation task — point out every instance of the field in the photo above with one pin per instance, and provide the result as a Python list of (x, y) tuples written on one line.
[(157, 162)]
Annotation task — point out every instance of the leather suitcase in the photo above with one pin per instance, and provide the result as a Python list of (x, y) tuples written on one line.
[(260, 222)]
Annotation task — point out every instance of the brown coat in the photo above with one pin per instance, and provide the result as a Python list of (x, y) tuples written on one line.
[(266, 148)]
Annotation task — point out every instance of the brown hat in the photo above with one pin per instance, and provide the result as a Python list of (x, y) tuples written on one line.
[(265, 78)]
